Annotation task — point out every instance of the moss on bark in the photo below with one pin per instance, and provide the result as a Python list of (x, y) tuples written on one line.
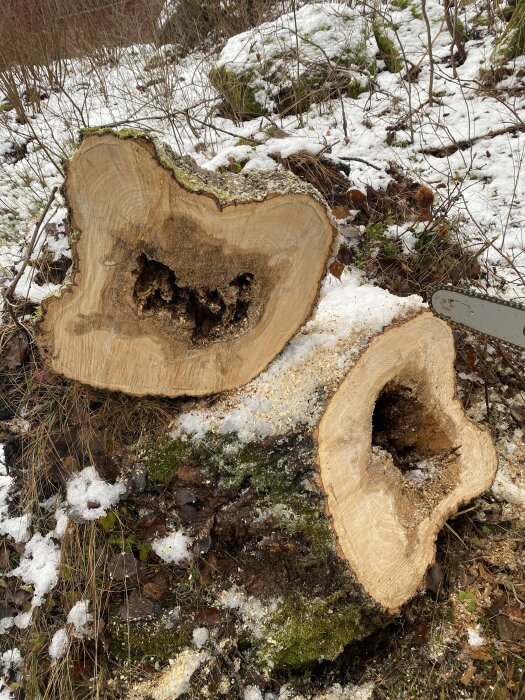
[(512, 43)]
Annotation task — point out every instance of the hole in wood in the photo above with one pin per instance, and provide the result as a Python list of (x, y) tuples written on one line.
[(206, 314), (406, 428)]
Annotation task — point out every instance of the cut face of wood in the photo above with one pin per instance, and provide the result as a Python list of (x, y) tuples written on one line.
[(184, 282), (398, 456)]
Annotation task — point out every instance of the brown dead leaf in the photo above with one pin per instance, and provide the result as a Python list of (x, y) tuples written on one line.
[(125, 566), (157, 588), (15, 351), (518, 413), (340, 212), (190, 475), (509, 630), (151, 526), (207, 617), (468, 675), (356, 197), (336, 269), (477, 653), (138, 607)]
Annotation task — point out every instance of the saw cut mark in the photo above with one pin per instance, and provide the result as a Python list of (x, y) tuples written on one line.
[(406, 429), (205, 314)]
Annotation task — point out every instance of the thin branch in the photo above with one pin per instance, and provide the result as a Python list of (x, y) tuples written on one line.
[(11, 289)]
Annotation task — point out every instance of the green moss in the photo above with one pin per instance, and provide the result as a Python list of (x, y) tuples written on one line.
[(304, 632), (322, 83), (512, 43), (274, 132), (6, 107), (388, 49), (236, 91), (126, 133), (164, 457), (273, 475), (150, 640)]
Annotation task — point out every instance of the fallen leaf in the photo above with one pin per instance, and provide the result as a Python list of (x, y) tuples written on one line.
[(125, 566), (478, 653), (16, 350), (340, 212), (150, 527), (207, 617), (468, 675), (357, 197), (509, 630), (138, 607), (157, 588), (336, 269)]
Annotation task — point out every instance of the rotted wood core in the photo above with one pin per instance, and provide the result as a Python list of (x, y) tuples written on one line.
[(202, 313)]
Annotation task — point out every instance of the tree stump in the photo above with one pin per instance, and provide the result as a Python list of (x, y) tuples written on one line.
[(339, 465), (184, 282)]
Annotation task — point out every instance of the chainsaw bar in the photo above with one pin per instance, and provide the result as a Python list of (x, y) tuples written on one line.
[(497, 318)]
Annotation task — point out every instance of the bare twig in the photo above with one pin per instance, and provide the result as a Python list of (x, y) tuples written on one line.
[(430, 52), (8, 294), (362, 160)]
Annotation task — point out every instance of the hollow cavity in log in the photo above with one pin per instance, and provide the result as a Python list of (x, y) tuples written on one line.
[(406, 428), (184, 282), (206, 314)]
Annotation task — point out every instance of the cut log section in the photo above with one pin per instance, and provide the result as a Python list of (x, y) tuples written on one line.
[(396, 455), (317, 492), (184, 282)]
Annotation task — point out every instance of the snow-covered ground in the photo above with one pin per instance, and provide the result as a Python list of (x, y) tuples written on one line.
[(481, 186)]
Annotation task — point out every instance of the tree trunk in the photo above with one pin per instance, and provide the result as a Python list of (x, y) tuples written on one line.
[(184, 282), (511, 44), (348, 455)]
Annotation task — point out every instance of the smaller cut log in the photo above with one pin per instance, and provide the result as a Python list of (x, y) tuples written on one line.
[(396, 454), (184, 282), (329, 477)]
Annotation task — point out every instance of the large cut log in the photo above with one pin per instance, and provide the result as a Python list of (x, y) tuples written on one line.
[(184, 282), (341, 462)]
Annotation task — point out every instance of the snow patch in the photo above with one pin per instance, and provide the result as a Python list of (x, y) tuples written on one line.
[(200, 636), (89, 496), (62, 522), (252, 692), (507, 488), (39, 566), (17, 528), (349, 313), (79, 617), (59, 644), (474, 638), (174, 548), (10, 666), (251, 611)]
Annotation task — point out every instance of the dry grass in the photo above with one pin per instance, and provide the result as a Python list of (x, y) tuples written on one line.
[(51, 429)]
